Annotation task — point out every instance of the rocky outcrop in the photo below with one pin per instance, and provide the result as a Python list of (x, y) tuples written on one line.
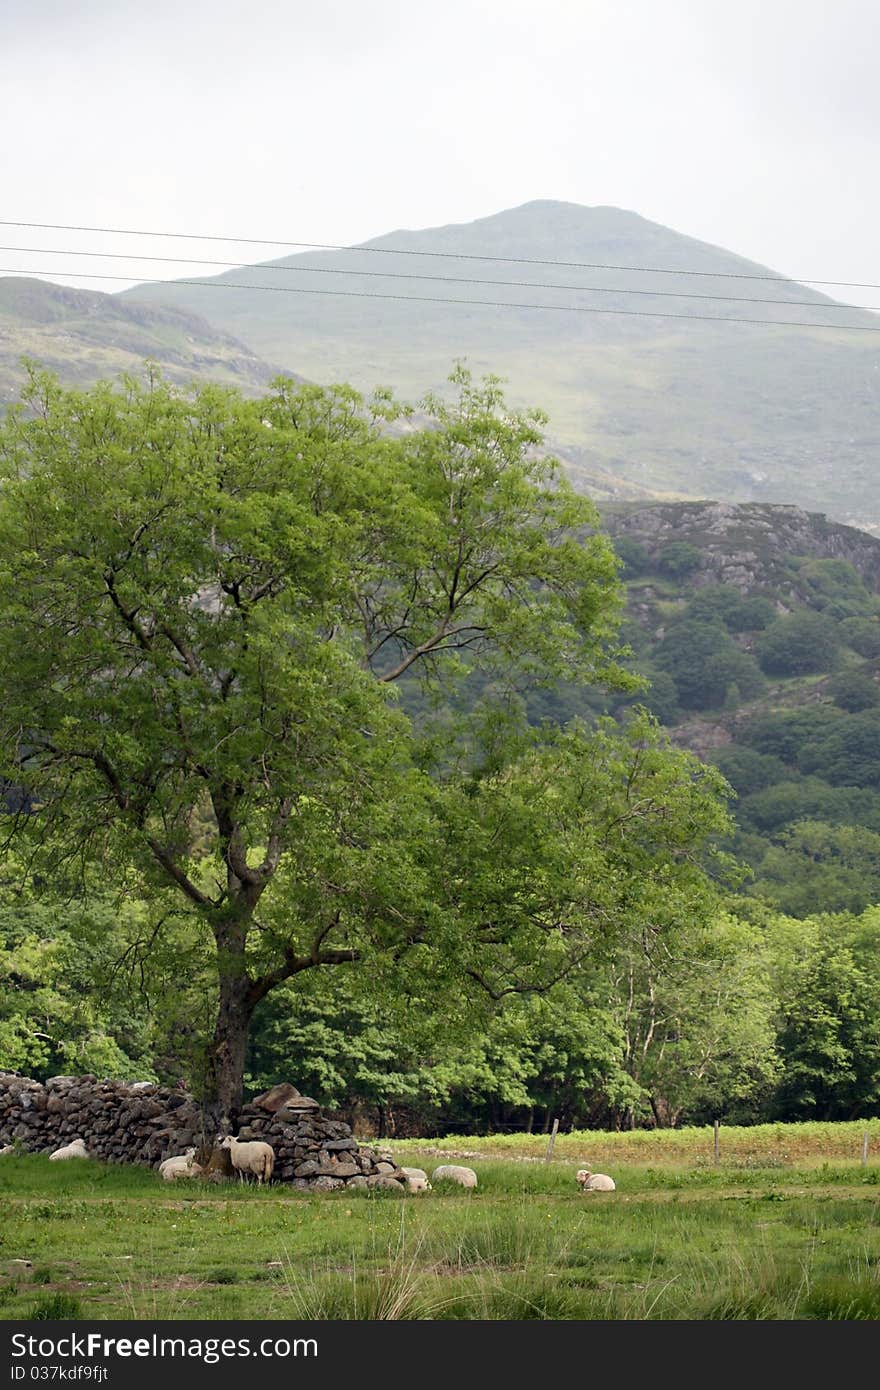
[(139, 1122), (747, 545)]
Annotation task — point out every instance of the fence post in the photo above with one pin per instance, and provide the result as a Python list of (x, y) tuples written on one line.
[(716, 1126), (865, 1149), (552, 1141)]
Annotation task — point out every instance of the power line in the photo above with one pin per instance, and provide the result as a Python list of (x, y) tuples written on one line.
[(442, 279), (469, 303), (444, 255)]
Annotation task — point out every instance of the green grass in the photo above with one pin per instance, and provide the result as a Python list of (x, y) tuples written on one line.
[(758, 1236)]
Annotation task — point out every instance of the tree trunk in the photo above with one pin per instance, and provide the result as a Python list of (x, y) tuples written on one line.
[(224, 1076)]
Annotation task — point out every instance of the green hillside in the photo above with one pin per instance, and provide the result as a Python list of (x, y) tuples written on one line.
[(759, 627), (84, 336), (636, 403)]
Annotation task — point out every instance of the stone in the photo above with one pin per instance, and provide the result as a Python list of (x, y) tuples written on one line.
[(383, 1183), (276, 1097), (326, 1184), (293, 1110), (307, 1169), (346, 1170)]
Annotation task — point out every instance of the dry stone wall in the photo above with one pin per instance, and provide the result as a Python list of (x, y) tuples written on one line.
[(138, 1122)]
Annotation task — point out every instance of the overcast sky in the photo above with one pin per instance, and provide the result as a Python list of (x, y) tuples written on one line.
[(749, 123)]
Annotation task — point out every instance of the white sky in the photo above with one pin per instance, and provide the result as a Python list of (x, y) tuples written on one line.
[(750, 123)]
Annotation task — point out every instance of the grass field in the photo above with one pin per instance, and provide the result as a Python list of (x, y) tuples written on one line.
[(786, 1226)]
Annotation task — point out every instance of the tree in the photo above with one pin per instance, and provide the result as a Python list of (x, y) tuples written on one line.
[(205, 602), (848, 754), (854, 690), (799, 644), (678, 559), (825, 973), (820, 867), (702, 660), (698, 1020)]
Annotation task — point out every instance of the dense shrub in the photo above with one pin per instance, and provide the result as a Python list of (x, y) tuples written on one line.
[(686, 654), (678, 559), (802, 643), (854, 691), (748, 771), (863, 635), (848, 754), (636, 560), (738, 612), (783, 735), (808, 799)]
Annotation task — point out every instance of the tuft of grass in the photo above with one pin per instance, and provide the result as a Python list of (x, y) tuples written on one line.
[(56, 1307), (394, 1293)]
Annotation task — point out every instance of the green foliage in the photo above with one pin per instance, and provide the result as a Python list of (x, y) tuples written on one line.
[(678, 558), (703, 662), (698, 1021), (661, 697), (738, 612), (636, 559), (61, 1007), (863, 635), (829, 988), (809, 798), (796, 645), (854, 690), (836, 588), (782, 735), (747, 770), (813, 862), (848, 754)]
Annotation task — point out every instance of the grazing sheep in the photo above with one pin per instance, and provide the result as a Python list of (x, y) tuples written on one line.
[(416, 1179), (253, 1157), (180, 1166), (75, 1149), (594, 1182), (453, 1172)]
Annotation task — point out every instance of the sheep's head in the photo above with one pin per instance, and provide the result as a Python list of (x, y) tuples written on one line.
[(227, 1142), (582, 1176)]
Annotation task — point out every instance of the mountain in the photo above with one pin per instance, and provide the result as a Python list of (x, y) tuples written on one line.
[(84, 336), (639, 402)]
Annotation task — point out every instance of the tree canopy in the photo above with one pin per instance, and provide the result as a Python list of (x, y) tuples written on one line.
[(206, 603)]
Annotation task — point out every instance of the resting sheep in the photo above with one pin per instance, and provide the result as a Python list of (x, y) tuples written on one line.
[(75, 1149), (453, 1172), (7, 1149), (594, 1182), (254, 1157), (416, 1179), (180, 1166)]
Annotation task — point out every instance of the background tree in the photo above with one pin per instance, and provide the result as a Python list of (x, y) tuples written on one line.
[(804, 641)]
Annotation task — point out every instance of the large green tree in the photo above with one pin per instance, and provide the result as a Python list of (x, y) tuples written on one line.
[(205, 602)]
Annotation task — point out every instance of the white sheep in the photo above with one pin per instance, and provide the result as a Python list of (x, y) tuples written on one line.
[(453, 1172), (180, 1166), (75, 1149), (588, 1181), (416, 1179), (254, 1157), (7, 1149)]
